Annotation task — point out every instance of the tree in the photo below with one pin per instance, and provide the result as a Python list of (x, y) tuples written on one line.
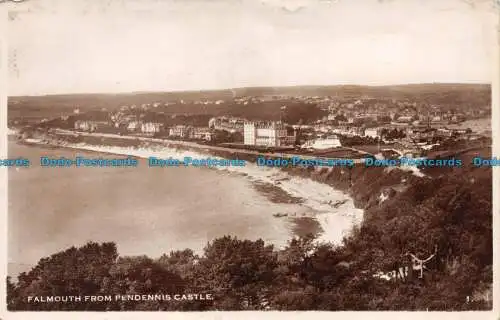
[(140, 275), (73, 272), (236, 271), (452, 212), (181, 262)]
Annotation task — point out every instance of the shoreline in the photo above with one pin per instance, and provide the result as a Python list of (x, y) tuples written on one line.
[(270, 179), (334, 177), (323, 217)]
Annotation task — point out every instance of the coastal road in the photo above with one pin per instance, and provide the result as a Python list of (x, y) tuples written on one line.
[(208, 148)]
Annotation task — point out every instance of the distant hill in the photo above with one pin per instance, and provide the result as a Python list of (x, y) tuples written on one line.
[(353, 91), (396, 91), (24, 107)]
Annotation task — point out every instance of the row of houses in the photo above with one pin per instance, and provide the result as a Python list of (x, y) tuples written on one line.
[(198, 133), (89, 125), (271, 133), (149, 128), (144, 127), (133, 126), (376, 132), (408, 116), (229, 124)]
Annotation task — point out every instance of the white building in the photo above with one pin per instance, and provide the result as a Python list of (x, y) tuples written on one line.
[(88, 125), (84, 125), (372, 132), (405, 119), (133, 126), (201, 133), (228, 124), (323, 143), (151, 127), (179, 131), (212, 122), (271, 134)]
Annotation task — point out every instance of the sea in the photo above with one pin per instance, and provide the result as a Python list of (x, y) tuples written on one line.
[(153, 210), (482, 125)]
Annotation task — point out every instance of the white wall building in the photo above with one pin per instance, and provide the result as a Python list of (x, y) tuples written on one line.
[(201, 133), (323, 143), (151, 127), (133, 126), (372, 132), (179, 131), (84, 125), (249, 133), (271, 134), (228, 124)]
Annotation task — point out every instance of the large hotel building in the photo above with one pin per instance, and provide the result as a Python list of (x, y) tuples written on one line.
[(270, 134)]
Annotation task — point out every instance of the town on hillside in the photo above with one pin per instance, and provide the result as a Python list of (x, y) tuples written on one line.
[(317, 125)]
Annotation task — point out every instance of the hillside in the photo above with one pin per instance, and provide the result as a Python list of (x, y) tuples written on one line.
[(354, 91), (450, 215), (434, 92)]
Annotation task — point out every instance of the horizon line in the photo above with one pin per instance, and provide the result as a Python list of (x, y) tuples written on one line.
[(252, 87)]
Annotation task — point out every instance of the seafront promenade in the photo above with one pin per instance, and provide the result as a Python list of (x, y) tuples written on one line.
[(359, 160)]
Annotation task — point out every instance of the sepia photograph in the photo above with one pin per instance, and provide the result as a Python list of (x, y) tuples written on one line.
[(249, 155)]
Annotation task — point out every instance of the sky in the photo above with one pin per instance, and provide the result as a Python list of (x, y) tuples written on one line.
[(109, 46)]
